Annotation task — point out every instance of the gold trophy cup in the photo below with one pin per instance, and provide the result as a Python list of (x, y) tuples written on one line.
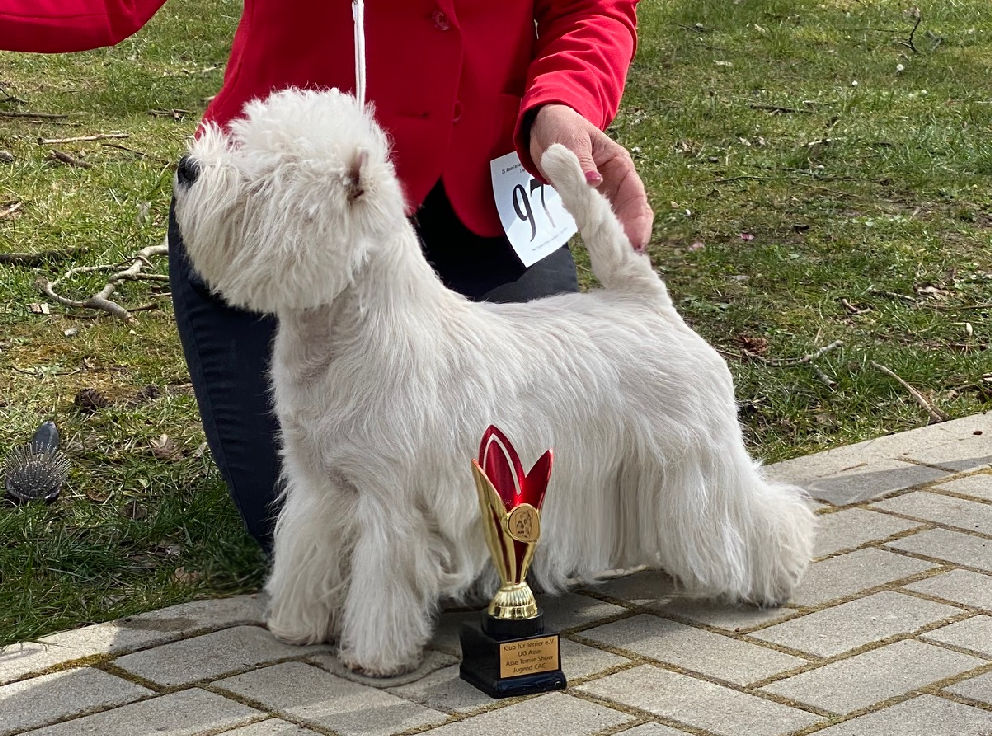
[(508, 652)]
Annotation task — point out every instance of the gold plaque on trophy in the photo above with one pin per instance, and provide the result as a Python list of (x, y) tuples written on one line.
[(527, 656)]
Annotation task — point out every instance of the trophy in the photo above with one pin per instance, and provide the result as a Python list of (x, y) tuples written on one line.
[(508, 652)]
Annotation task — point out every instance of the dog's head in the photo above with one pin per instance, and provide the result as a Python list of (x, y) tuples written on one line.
[(281, 209)]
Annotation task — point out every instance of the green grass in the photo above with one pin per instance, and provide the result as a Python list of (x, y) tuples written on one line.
[(888, 209)]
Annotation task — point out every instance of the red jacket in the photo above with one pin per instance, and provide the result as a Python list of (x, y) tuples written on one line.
[(451, 79)]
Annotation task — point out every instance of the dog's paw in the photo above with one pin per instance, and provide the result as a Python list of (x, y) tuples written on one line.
[(776, 601), (378, 669), (297, 636)]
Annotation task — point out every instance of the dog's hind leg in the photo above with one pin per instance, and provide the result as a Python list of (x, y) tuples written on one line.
[(313, 540), (395, 586), (724, 531), (778, 530)]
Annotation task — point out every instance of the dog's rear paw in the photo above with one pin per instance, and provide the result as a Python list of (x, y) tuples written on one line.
[(297, 635), (380, 669)]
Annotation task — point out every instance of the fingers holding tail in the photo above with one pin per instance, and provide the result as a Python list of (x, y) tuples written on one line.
[(616, 264)]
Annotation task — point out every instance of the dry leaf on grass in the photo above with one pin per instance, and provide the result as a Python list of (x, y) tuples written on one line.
[(187, 577), (89, 399), (165, 448)]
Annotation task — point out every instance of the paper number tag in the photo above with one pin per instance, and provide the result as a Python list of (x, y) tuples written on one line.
[(533, 216)]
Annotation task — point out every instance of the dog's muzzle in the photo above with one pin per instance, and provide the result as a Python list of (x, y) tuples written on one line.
[(187, 171)]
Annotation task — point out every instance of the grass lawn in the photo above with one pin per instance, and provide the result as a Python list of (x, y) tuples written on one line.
[(815, 180)]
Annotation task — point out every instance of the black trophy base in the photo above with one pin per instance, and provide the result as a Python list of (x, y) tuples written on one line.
[(484, 655)]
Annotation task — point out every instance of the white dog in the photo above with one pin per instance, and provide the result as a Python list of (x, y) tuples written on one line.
[(385, 381)]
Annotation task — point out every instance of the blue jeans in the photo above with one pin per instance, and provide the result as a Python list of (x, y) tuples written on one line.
[(228, 350)]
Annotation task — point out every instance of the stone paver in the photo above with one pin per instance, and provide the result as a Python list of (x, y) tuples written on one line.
[(958, 586), (572, 610), (209, 656), (723, 616), (647, 588), (166, 624), (578, 660), (860, 681), (978, 485), (18, 660), (552, 713), (835, 630), (184, 713), (698, 703), (971, 516), (270, 727), (977, 688), (872, 481), (974, 633), (652, 729), (844, 575), (871, 468), (925, 715), (850, 528), (695, 649), (860, 479), (319, 698), (943, 544), (868, 627), (50, 698), (964, 444), (444, 690), (128, 633)]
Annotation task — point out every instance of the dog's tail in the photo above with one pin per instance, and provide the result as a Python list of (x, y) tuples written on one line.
[(614, 261)]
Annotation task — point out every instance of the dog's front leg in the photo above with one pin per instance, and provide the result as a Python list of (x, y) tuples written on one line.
[(312, 546), (393, 591)]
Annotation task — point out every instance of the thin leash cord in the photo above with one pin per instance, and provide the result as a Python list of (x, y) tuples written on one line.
[(358, 16)]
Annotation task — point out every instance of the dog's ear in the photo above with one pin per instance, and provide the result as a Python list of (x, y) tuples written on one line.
[(354, 180)]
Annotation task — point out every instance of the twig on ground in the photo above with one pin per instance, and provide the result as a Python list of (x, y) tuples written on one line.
[(68, 160), (39, 373), (984, 385), (728, 179), (74, 139), (175, 113), (807, 360), (870, 30), (7, 97), (791, 362), (936, 414), (779, 110), (136, 152), (908, 43), (101, 300), (27, 114), (780, 362), (39, 258), (894, 295), (823, 377), (853, 309), (955, 307)]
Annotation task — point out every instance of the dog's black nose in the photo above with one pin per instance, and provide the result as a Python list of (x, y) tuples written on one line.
[(187, 171)]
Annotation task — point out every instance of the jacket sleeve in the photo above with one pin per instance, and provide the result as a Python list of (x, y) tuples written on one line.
[(70, 25), (584, 49)]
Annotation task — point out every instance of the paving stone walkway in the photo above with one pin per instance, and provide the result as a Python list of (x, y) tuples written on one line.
[(890, 634)]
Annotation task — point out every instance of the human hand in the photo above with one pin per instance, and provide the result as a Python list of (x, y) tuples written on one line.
[(607, 165)]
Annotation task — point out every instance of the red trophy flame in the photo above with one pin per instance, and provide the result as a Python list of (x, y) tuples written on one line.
[(509, 653)]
